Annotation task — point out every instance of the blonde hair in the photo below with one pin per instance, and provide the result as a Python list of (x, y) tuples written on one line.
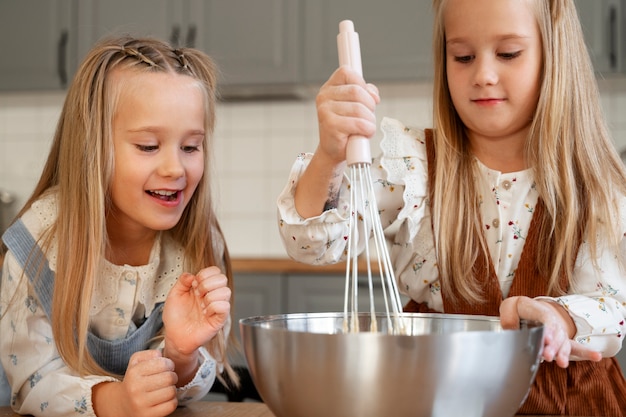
[(80, 167), (577, 170)]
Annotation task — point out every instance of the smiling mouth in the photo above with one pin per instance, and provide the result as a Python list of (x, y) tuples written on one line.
[(164, 195)]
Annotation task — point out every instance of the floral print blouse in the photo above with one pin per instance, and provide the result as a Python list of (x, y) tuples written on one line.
[(507, 204), (41, 383)]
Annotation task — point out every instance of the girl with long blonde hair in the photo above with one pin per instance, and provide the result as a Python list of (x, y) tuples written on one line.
[(513, 204), (116, 280)]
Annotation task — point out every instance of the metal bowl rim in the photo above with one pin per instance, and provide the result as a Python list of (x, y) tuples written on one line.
[(259, 321)]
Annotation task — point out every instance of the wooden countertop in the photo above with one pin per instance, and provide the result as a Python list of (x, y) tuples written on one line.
[(289, 266), (208, 408), (201, 409)]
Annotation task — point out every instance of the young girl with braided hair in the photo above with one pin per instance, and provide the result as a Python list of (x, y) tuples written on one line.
[(116, 280), (513, 204)]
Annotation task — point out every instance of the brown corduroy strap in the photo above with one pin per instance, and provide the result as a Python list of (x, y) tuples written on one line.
[(584, 388)]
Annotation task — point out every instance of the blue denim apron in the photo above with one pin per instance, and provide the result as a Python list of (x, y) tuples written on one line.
[(111, 355)]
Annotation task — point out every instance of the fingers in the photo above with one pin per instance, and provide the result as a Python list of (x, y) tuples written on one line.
[(150, 382), (556, 346), (558, 328), (150, 362), (555, 340), (585, 353), (142, 356), (344, 75), (348, 86), (509, 317), (211, 288), (345, 107), (346, 94), (211, 278)]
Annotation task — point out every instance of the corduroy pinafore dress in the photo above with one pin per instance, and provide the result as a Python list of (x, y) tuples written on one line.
[(584, 388)]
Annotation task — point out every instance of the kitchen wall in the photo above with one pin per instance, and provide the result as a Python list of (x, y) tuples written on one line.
[(256, 143)]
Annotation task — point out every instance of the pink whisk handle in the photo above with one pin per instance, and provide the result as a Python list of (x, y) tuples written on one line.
[(348, 47), (358, 151)]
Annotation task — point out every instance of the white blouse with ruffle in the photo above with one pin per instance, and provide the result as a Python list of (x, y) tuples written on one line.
[(124, 296), (507, 206)]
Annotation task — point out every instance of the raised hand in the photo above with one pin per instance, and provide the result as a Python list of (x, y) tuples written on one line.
[(196, 308), (345, 107)]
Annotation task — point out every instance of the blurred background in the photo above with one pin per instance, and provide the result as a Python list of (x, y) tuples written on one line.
[(274, 55)]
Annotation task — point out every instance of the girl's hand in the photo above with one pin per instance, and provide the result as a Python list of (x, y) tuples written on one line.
[(148, 389), (345, 107), (559, 328), (195, 310)]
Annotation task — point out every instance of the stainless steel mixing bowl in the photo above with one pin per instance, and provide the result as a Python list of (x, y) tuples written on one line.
[(304, 365)]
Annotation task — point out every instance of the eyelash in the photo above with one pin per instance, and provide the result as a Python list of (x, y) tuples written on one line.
[(152, 148), (507, 56)]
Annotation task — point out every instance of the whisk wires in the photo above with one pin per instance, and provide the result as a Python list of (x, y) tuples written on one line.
[(365, 220)]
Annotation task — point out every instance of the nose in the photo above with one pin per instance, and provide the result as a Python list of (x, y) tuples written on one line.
[(171, 165), (485, 72)]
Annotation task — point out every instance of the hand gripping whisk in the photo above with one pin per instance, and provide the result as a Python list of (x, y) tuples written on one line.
[(364, 215)]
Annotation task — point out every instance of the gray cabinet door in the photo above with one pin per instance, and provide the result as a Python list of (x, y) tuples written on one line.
[(395, 38), (256, 295), (38, 44), (309, 293), (159, 18), (253, 42), (603, 24)]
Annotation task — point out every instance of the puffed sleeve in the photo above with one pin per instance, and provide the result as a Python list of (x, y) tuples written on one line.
[(318, 240), (41, 383), (598, 295), (399, 177), (202, 381), (322, 239)]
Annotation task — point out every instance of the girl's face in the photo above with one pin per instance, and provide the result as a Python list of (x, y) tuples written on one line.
[(494, 63), (158, 136)]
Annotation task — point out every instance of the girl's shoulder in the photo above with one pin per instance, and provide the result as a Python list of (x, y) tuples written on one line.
[(394, 131), (403, 151), (42, 213)]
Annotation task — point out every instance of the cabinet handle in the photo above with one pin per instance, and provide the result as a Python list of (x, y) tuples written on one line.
[(62, 58), (175, 37), (613, 37), (191, 37)]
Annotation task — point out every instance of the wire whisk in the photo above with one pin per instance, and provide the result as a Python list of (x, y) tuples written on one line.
[(364, 217)]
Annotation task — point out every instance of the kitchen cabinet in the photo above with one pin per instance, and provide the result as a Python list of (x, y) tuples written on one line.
[(310, 293), (38, 42), (396, 41), (270, 47), (274, 47), (288, 291), (604, 26), (160, 18), (258, 295), (253, 42)]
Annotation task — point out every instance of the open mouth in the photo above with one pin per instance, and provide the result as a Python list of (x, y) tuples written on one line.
[(164, 195)]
